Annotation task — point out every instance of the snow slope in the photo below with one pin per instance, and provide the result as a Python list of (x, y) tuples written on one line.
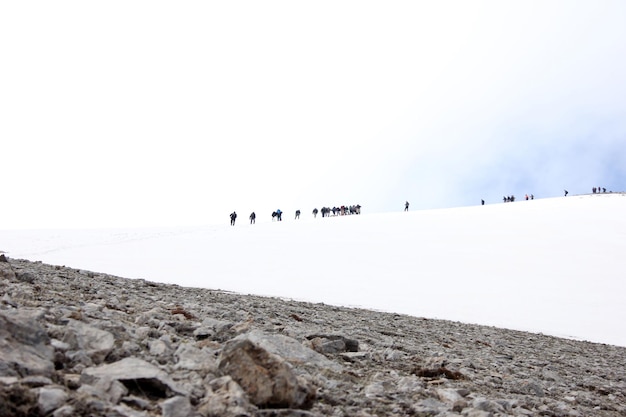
[(554, 266)]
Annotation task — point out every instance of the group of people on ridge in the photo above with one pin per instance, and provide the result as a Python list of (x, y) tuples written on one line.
[(326, 211), (338, 211)]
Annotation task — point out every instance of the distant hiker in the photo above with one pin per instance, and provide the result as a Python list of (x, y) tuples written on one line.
[(566, 193), (526, 196), (252, 218), (233, 217), (297, 214), (594, 190), (279, 215), (315, 213), (604, 190), (532, 197), (482, 202), (274, 215), (406, 206)]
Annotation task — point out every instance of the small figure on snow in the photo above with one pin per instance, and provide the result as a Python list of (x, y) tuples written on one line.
[(253, 218), (233, 217), (297, 214), (406, 206)]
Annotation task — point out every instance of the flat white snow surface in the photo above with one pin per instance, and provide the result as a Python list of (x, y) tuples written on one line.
[(554, 266)]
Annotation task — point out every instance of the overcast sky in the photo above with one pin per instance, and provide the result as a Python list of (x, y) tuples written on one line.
[(137, 113)]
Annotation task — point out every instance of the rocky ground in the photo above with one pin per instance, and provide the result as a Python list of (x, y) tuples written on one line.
[(80, 343)]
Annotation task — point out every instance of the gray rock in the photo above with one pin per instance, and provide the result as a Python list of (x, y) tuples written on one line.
[(65, 411), (138, 375), (51, 398), (26, 277), (35, 381), (225, 398), (193, 359), (25, 348), (123, 410), (94, 342), (6, 271), (176, 407), (9, 380), (290, 349)]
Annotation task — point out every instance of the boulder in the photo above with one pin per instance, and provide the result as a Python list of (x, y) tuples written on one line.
[(268, 379), (94, 342), (291, 350), (140, 377), (193, 359), (24, 345), (178, 406), (225, 398), (6, 271), (51, 398)]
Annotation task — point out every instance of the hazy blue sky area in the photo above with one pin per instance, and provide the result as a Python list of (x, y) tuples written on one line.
[(166, 113)]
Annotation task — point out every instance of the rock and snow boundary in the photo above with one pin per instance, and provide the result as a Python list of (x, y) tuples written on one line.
[(80, 343)]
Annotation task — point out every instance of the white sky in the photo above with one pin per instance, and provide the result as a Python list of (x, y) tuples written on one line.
[(554, 266), (135, 113)]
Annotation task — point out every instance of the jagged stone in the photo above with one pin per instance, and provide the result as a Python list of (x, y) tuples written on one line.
[(138, 375), (178, 406), (225, 398), (26, 277), (267, 378), (6, 272), (291, 350), (65, 411), (94, 342), (51, 398), (35, 381), (193, 359), (329, 344), (24, 345)]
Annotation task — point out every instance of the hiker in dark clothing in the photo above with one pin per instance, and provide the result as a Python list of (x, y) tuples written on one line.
[(252, 218), (566, 193), (482, 202), (406, 206), (279, 215), (314, 212), (297, 214), (233, 217)]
